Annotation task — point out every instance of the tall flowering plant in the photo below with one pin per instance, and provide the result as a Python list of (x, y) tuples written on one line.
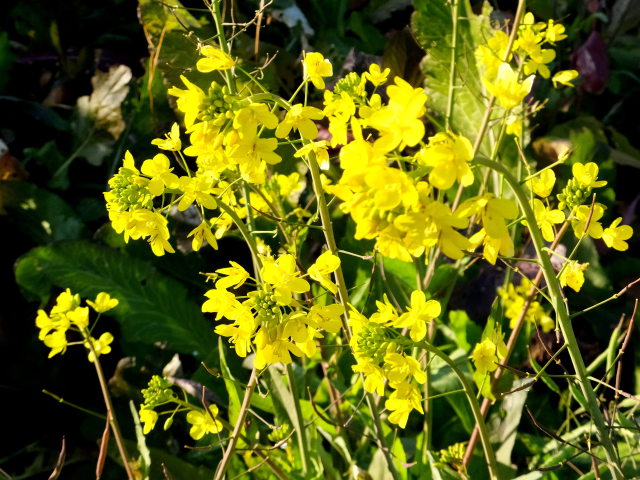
[(415, 191)]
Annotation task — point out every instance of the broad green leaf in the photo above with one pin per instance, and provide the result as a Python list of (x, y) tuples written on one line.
[(153, 307), (432, 23), (443, 380), (511, 412), (467, 332), (55, 162), (40, 214)]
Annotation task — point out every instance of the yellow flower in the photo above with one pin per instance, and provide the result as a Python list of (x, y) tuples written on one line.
[(615, 236), (235, 276), (202, 235), (215, 59), (564, 77), (543, 183), (56, 341), (101, 346), (581, 215), (79, 316), (490, 56), (149, 418), (323, 266), (374, 378), (418, 315), (300, 118), (546, 218), (198, 188), (573, 275), (401, 402), (399, 122), (587, 175), (172, 142), (485, 356), (65, 302), (538, 62), (189, 101), (326, 317), (284, 276), (320, 151), (315, 67), (103, 302), (399, 367), (159, 170), (555, 32), (375, 75), (203, 422), (449, 155), (507, 89)]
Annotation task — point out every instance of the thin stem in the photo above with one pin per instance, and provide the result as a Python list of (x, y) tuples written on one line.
[(235, 435), (562, 316), (302, 434), (111, 416), (325, 218), (490, 456), (217, 19), (511, 344), (244, 231), (452, 64)]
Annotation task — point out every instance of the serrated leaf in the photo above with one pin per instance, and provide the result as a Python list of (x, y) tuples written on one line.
[(153, 307), (432, 23)]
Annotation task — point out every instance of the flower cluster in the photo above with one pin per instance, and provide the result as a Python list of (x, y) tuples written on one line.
[(160, 393), (68, 315), (380, 352), (532, 51), (513, 300), (272, 321), (485, 357)]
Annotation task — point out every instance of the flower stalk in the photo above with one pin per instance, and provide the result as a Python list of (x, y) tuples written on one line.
[(562, 316)]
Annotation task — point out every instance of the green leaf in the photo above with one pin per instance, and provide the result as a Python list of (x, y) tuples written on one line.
[(153, 307), (467, 332), (172, 23), (444, 380), (6, 59), (511, 412), (43, 216), (432, 23), (231, 383)]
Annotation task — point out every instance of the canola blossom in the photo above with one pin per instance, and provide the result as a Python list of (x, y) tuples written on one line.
[(395, 185)]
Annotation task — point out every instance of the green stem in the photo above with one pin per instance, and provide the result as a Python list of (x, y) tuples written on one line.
[(490, 455), (111, 415), (325, 218), (222, 40), (233, 440), (562, 316), (301, 432), (452, 64), (244, 231)]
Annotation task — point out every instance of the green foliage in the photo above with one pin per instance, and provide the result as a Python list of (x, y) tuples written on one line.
[(433, 26), (153, 307)]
